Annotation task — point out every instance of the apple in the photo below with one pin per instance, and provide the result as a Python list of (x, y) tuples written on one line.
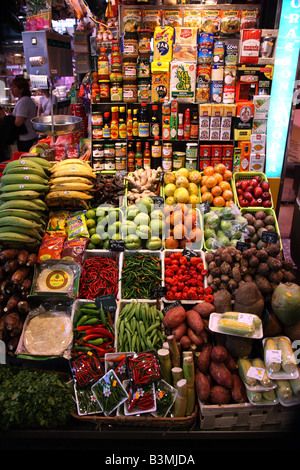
[(240, 192), (257, 192), (266, 196), (253, 203), (264, 186), (258, 178), (244, 203), (267, 203), (254, 182), (249, 189), (238, 184), (244, 185), (248, 196), (259, 201)]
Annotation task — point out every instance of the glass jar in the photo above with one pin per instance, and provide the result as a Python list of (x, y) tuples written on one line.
[(104, 91), (109, 151), (98, 151), (130, 45), (143, 68), (129, 70), (167, 150), (178, 160), (120, 149), (167, 163), (109, 163), (191, 150), (191, 163), (144, 91), (97, 119), (97, 132), (144, 42), (130, 91), (116, 91)]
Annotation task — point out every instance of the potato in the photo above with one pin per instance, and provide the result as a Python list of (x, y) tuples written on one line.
[(222, 301), (174, 317), (194, 321), (185, 342), (219, 353), (221, 374), (204, 308), (219, 395), (179, 331), (204, 359), (238, 391), (202, 386)]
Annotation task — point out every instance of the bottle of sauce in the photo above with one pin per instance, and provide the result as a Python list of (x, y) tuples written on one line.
[(156, 153), (138, 156), (116, 62), (135, 124), (130, 158), (180, 127), (122, 123), (106, 126), (187, 125), (114, 123), (103, 75), (129, 124), (143, 121), (154, 125), (147, 156), (194, 126)]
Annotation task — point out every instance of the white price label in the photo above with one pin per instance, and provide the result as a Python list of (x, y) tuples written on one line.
[(39, 81), (273, 355), (246, 318), (256, 373)]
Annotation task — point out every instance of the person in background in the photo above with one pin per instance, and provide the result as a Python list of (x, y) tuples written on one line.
[(24, 111), (44, 107)]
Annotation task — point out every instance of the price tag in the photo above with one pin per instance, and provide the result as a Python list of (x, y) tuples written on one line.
[(273, 355), (256, 373), (177, 303), (245, 318), (243, 246), (159, 200), (121, 173), (108, 302), (204, 207), (161, 177), (117, 245), (269, 237), (189, 253), (158, 292)]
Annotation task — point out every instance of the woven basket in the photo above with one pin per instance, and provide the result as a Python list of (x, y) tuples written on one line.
[(142, 421)]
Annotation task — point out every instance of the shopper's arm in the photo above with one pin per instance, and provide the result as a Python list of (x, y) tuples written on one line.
[(19, 121)]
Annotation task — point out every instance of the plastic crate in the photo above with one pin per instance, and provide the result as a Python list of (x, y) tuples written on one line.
[(245, 175), (268, 211)]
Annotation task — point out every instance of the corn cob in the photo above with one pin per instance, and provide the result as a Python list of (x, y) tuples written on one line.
[(235, 327)]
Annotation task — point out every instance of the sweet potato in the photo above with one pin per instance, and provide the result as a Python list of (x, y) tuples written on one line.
[(238, 391), (202, 386), (219, 353), (204, 359), (230, 363), (179, 331), (219, 395), (197, 340), (174, 317), (185, 342), (221, 374), (194, 321), (204, 308)]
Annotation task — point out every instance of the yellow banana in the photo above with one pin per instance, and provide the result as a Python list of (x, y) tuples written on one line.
[(71, 179), (70, 187), (67, 195)]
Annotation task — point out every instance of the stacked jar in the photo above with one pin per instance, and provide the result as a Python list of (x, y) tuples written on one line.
[(116, 77), (129, 68), (143, 66)]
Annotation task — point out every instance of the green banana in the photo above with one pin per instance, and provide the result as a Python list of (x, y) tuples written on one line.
[(17, 178), (24, 186), (16, 237), (18, 221), (25, 214), (25, 194), (22, 230), (22, 162), (22, 205), (42, 162), (26, 171)]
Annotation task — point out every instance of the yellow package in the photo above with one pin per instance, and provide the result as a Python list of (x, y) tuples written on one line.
[(217, 110), (205, 109), (57, 223), (172, 18), (192, 18), (162, 43), (76, 226), (229, 110), (186, 36), (160, 81)]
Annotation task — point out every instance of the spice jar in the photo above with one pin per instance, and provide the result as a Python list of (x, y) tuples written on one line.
[(116, 91), (109, 157), (130, 91), (129, 70), (130, 45), (178, 160)]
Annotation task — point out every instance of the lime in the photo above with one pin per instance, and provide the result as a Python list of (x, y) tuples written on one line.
[(96, 239), (91, 246), (91, 223), (92, 230), (90, 214)]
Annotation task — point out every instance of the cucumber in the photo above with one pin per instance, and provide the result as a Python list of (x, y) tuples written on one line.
[(244, 366), (255, 396), (288, 361), (271, 345), (265, 381), (24, 186)]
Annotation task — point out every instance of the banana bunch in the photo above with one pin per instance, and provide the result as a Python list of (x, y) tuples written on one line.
[(71, 184), (23, 211)]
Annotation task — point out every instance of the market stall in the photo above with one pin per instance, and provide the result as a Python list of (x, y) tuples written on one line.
[(142, 271)]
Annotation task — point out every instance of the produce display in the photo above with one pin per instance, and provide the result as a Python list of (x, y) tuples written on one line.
[(216, 185)]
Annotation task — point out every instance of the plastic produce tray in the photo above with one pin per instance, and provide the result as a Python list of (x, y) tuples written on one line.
[(245, 175)]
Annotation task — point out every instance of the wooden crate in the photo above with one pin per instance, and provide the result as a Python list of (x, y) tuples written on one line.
[(246, 417)]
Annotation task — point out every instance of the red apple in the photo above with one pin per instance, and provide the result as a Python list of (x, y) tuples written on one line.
[(253, 203), (248, 196), (266, 196), (267, 203), (238, 184), (258, 178), (249, 189), (244, 185), (244, 203), (254, 182), (240, 192), (264, 186), (257, 192), (259, 201)]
